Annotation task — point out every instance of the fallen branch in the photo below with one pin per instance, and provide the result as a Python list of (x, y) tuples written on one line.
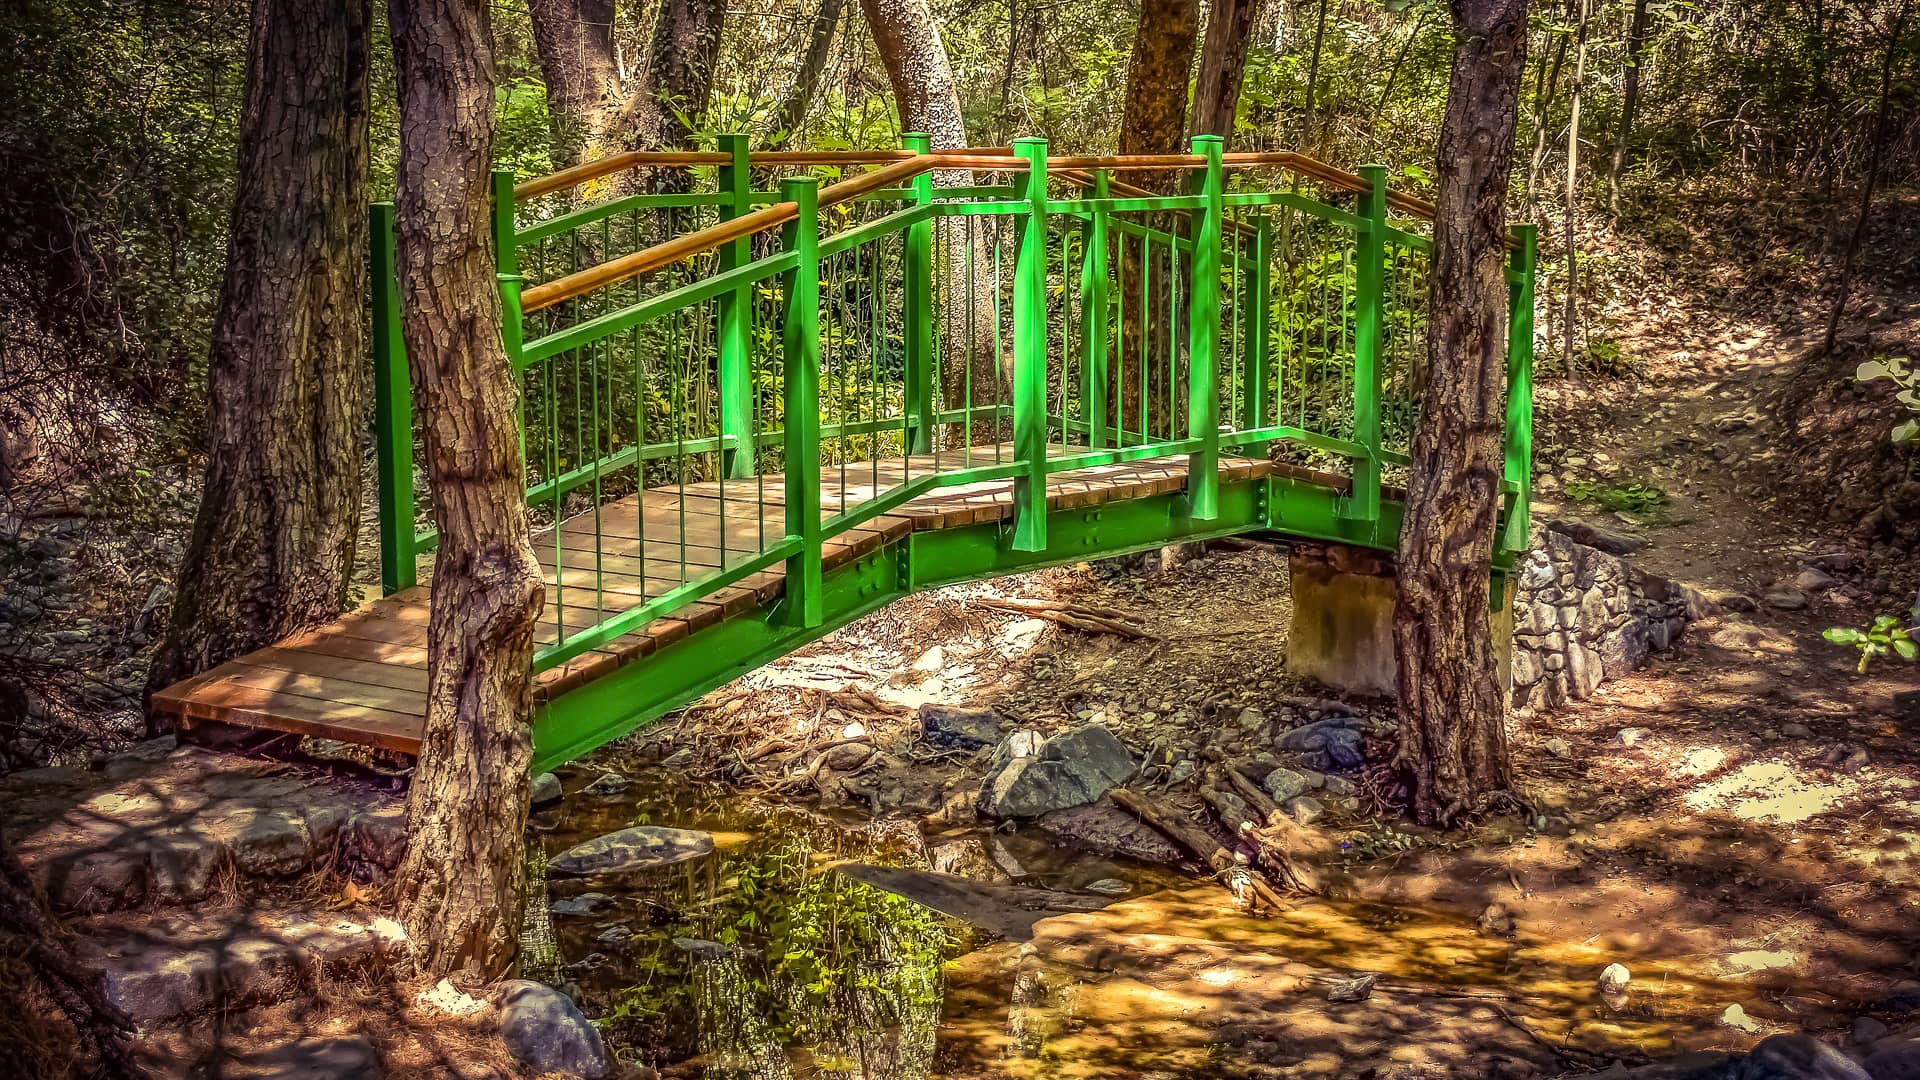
[(1202, 846), (1077, 616), (1268, 849)]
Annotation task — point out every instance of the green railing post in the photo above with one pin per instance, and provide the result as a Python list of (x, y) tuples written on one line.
[(506, 256), (1254, 315), (1520, 387), (918, 297), (805, 603), (392, 407), (736, 318), (1030, 354), (1093, 320), (1369, 298), (1203, 336)]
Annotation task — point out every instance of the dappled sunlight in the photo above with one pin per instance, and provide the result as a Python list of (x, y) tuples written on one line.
[(1771, 791)]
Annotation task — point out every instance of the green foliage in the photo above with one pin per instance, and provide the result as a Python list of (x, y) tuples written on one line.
[(1900, 371), (1885, 636), (1634, 496)]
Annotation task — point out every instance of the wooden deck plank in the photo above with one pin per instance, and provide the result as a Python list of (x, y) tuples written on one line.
[(362, 678)]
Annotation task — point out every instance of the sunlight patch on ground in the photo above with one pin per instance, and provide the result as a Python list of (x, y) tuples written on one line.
[(1701, 761), (1762, 960), (1770, 791)]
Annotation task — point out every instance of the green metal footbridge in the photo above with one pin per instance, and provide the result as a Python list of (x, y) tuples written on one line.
[(765, 394)]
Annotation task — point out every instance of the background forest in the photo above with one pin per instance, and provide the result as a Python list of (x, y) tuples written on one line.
[(1714, 147)]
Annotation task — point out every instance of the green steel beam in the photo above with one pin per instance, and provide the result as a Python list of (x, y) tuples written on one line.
[(1369, 272), (1030, 354), (1203, 333), (1519, 446), (1095, 317), (801, 377), (734, 372), (917, 296), (392, 408)]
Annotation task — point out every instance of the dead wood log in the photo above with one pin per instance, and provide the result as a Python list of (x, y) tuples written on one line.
[(1269, 849), (1077, 616), (1284, 832), (1203, 846)]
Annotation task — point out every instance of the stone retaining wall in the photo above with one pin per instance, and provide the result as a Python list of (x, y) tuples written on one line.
[(1582, 616)]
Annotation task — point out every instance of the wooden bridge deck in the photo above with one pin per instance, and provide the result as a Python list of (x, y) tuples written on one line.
[(362, 678)]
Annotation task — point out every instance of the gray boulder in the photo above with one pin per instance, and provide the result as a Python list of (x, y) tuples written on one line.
[(546, 790), (1594, 536), (545, 1031), (1071, 769), (1284, 783), (1798, 1057), (642, 847), (1894, 1059), (953, 728), (1333, 741), (308, 1059)]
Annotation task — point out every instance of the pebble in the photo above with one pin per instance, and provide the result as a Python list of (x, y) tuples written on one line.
[(1108, 887), (1558, 747), (1306, 809), (588, 903), (1496, 921), (1867, 1031), (1614, 979), (1736, 1017), (607, 786), (1796, 731), (1631, 736), (1284, 783)]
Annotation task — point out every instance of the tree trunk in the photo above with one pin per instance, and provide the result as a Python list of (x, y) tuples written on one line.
[(1571, 324), (792, 110), (28, 935), (1153, 121), (921, 77), (1453, 743), (1875, 157), (585, 93), (1313, 79), (287, 377), (460, 885), (1545, 88), (1629, 101), (680, 66), (1223, 68)]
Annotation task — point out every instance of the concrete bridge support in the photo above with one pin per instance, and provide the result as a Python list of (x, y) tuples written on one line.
[(1342, 629)]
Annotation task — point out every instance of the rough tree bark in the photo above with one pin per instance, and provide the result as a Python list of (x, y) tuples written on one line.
[(1453, 743), (287, 378), (921, 77), (1570, 212), (586, 96), (679, 81), (460, 884), (1223, 67), (1153, 121), (28, 937)]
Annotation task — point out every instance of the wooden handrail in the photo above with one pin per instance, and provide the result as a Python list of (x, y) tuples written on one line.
[(897, 165), (599, 167), (607, 273)]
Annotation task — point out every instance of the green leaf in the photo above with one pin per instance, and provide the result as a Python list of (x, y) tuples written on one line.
[(1906, 431), (1871, 370), (1906, 648), (1844, 635)]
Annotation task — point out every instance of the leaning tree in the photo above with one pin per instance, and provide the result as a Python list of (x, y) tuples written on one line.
[(1453, 743), (287, 379)]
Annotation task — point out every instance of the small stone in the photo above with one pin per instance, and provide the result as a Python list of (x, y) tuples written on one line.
[(1341, 787), (1796, 731), (1736, 1017), (1284, 783), (1784, 598), (702, 949), (1306, 809), (613, 937), (1631, 736), (930, 661), (1496, 921), (546, 790), (1181, 772), (679, 759), (607, 786), (1867, 1031), (643, 847), (1252, 720), (1558, 747), (1071, 769), (545, 1031), (585, 904), (1813, 581), (1614, 979), (952, 728), (1108, 887), (1351, 991)]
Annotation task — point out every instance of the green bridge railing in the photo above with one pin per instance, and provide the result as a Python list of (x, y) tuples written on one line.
[(978, 315)]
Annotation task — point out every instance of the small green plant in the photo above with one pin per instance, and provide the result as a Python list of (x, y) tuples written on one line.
[(1634, 496), (1606, 357), (1900, 370), (1885, 636)]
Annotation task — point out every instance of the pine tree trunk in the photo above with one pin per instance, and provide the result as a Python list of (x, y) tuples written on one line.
[(287, 377), (460, 884), (1223, 67), (1153, 121), (1629, 101), (921, 77), (1453, 745), (585, 94)]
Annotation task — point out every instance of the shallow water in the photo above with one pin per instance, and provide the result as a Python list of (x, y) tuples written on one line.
[(762, 961)]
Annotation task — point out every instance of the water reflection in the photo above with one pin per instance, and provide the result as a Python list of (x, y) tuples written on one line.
[(760, 961)]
